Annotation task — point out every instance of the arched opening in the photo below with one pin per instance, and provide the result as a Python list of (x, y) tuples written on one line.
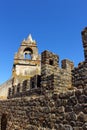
[(3, 122), (28, 53)]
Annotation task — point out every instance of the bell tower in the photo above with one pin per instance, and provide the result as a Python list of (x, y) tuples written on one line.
[(26, 61)]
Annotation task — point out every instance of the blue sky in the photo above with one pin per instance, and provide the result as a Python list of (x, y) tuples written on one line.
[(56, 25)]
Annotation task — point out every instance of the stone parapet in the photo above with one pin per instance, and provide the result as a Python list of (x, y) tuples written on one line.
[(64, 111), (80, 75)]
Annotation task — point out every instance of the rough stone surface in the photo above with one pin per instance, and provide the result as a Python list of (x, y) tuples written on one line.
[(44, 112)]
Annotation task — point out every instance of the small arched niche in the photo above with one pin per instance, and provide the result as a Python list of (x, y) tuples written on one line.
[(4, 122), (28, 53)]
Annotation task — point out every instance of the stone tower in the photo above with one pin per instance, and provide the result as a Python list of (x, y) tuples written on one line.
[(84, 39), (26, 61)]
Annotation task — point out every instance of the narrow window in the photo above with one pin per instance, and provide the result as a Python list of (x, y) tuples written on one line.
[(9, 92), (13, 90), (18, 89), (33, 84), (24, 87), (28, 53), (38, 81), (51, 62)]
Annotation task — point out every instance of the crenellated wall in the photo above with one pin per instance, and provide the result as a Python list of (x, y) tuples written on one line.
[(80, 75), (64, 111), (54, 76)]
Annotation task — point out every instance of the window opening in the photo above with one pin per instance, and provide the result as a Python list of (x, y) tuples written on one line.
[(18, 88), (51, 62), (33, 84), (28, 53), (13, 90), (9, 92)]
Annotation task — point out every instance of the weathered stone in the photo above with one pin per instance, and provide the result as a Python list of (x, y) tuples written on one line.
[(68, 108), (68, 127), (85, 91), (60, 109), (84, 108), (78, 92), (82, 99), (77, 128), (71, 116), (78, 108), (72, 101), (79, 123), (81, 117), (73, 123), (85, 126)]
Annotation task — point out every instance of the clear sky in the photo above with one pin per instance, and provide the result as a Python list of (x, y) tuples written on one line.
[(56, 26)]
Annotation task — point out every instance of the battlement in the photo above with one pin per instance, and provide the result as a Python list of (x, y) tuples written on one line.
[(27, 88), (35, 74), (49, 58), (52, 78)]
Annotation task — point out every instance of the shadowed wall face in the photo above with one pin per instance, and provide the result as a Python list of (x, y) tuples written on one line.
[(3, 122)]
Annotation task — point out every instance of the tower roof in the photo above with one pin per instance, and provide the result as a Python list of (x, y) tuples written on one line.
[(28, 40)]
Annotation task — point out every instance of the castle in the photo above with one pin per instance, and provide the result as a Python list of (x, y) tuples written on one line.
[(43, 96)]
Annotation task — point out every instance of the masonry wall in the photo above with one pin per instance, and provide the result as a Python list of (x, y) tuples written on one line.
[(80, 75), (60, 78), (64, 111)]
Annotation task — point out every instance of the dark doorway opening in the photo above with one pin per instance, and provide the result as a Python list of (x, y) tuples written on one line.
[(3, 122)]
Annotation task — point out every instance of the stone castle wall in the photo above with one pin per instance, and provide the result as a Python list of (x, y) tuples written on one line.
[(59, 79), (54, 76), (80, 75), (64, 111)]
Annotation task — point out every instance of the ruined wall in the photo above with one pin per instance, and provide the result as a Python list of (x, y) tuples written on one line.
[(52, 78), (4, 89), (60, 78), (27, 88), (80, 75), (64, 111)]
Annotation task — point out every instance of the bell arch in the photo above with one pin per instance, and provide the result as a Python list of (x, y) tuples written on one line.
[(28, 53)]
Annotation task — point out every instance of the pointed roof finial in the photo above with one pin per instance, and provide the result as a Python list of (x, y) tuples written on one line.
[(29, 38)]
